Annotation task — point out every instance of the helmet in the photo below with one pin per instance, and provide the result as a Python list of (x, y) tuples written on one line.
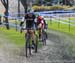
[(30, 11), (36, 14)]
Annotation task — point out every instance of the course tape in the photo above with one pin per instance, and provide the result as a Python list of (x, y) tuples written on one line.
[(50, 16), (63, 22), (63, 19), (11, 24), (56, 19)]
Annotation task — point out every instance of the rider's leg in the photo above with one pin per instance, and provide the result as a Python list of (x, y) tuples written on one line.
[(39, 33), (39, 30), (33, 38)]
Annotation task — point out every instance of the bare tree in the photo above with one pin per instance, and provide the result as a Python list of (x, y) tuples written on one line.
[(5, 4), (0, 20), (18, 8), (24, 3)]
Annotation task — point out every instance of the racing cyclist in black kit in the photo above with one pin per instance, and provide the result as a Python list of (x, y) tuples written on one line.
[(30, 23)]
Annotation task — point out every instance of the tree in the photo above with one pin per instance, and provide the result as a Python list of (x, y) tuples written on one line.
[(18, 8), (0, 20), (27, 4), (6, 5), (24, 3)]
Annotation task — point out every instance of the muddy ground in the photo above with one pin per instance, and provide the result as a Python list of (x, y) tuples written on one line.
[(58, 50)]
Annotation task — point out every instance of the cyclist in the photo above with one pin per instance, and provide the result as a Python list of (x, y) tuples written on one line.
[(29, 18), (41, 25)]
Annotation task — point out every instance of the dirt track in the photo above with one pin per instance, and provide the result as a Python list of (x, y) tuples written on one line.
[(57, 50)]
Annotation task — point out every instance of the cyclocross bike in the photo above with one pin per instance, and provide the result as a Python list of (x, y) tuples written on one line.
[(44, 37), (28, 42)]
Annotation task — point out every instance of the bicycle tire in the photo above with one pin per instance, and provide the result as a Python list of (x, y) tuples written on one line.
[(44, 37), (28, 45), (26, 48), (36, 43)]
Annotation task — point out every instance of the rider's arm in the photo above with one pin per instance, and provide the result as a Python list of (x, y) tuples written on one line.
[(42, 22), (22, 21)]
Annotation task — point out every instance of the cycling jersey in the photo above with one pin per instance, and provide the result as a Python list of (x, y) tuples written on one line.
[(40, 21), (29, 18)]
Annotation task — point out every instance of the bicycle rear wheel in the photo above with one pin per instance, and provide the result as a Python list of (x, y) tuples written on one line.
[(44, 37)]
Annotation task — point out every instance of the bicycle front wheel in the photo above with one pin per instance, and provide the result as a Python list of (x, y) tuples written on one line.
[(28, 45)]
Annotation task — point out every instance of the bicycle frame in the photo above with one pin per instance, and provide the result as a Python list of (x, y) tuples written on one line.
[(28, 42)]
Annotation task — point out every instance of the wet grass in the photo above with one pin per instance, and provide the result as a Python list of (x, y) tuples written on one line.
[(15, 37), (66, 28)]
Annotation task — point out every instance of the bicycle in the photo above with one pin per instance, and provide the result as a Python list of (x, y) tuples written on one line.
[(28, 40), (44, 34), (44, 37)]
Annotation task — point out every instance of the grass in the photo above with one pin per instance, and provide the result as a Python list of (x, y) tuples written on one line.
[(66, 28), (15, 37), (67, 20), (14, 21), (18, 38)]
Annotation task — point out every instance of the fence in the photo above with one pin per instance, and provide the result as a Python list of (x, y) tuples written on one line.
[(61, 17), (13, 22)]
